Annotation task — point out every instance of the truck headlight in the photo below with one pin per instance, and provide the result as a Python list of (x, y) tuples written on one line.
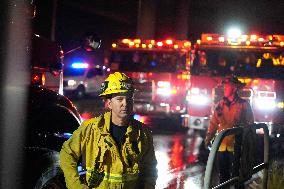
[(164, 88), (164, 91), (265, 104), (198, 96), (71, 82), (197, 100), (266, 100)]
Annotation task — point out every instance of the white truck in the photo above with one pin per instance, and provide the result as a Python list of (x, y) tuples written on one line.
[(82, 79)]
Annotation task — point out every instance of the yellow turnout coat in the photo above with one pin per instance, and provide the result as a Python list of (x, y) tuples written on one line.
[(133, 164), (238, 113)]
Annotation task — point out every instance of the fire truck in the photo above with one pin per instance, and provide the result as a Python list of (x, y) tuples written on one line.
[(256, 60), (46, 64), (159, 70), (175, 77)]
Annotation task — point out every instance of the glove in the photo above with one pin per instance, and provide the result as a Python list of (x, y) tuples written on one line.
[(206, 142)]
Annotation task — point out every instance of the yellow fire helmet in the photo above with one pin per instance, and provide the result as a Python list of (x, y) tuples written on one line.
[(116, 83)]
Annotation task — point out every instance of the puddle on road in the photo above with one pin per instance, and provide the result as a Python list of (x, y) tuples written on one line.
[(178, 165)]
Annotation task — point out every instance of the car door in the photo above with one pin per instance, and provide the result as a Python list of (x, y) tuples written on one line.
[(95, 77), (99, 78)]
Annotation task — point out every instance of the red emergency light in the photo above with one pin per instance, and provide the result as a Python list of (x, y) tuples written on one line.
[(168, 44), (38, 79), (254, 40)]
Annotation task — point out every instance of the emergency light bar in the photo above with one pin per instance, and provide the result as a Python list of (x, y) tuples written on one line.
[(80, 65), (242, 40), (152, 44)]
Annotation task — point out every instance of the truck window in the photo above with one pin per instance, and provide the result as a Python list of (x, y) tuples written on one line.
[(217, 62), (99, 71), (94, 72), (74, 71), (151, 61), (91, 73), (45, 54)]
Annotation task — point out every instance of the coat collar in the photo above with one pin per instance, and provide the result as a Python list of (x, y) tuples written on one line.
[(104, 126)]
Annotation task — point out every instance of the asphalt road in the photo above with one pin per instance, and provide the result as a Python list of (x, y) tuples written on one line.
[(180, 152)]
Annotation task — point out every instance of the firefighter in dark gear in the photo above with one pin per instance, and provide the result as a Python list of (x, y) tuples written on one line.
[(230, 112), (118, 149)]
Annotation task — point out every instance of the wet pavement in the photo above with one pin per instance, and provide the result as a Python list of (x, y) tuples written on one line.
[(178, 151), (178, 164)]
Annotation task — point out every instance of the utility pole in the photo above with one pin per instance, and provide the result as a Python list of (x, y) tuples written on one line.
[(53, 21), (182, 19), (15, 79), (146, 19)]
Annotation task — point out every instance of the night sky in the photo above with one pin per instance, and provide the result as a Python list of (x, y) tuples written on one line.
[(113, 19)]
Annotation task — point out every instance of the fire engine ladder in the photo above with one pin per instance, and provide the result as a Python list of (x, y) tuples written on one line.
[(236, 180)]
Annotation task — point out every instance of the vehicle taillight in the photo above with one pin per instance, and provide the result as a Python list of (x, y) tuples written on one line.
[(55, 73), (38, 79)]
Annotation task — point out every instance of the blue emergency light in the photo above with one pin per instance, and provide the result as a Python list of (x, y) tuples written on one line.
[(67, 135), (80, 65)]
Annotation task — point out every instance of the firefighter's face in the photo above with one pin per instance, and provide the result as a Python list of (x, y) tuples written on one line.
[(229, 89), (121, 105)]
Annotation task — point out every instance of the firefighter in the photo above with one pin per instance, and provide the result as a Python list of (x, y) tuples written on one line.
[(117, 149), (231, 111)]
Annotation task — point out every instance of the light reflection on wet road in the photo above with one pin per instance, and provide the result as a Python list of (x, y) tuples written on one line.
[(178, 165), (177, 153)]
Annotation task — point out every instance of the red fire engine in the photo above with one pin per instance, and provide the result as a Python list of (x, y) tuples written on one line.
[(46, 64), (256, 60), (175, 77), (159, 70)]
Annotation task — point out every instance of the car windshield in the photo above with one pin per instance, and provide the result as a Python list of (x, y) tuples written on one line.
[(69, 72), (241, 63), (150, 61)]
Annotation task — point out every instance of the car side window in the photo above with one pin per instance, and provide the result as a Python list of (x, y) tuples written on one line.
[(94, 72), (99, 71), (91, 73)]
